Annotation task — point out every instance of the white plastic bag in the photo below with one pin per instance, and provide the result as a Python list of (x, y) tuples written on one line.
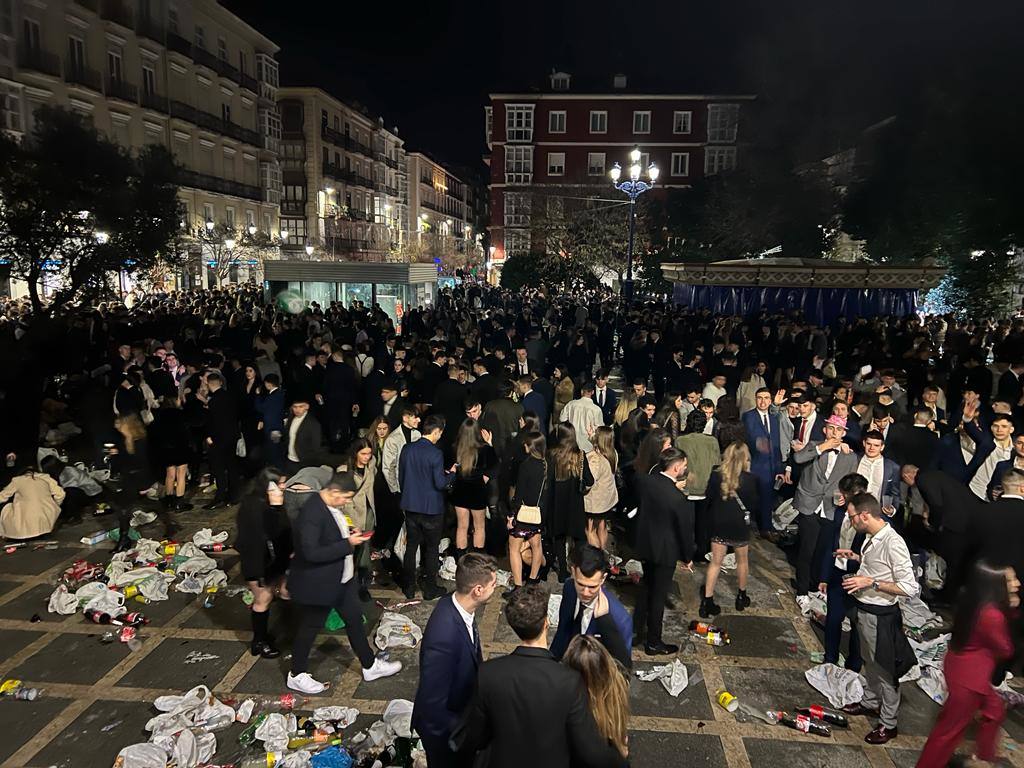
[(108, 601), (396, 631), (447, 569), (728, 562), (784, 514), (554, 606), (933, 682), (343, 716), (935, 571), (673, 677), (142, 756), (273, 732), (62, 601), (205, 537), (398, 717), (191, 750), (917, 615), (840, 686)]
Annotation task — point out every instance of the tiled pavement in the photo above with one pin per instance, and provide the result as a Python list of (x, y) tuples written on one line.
[(97, 696)]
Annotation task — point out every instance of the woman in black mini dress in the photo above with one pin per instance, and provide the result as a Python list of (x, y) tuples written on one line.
[(476, 464), (531, 490)]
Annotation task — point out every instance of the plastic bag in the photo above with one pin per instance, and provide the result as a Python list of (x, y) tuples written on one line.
[(400, 545), (917, 615), (673, 677), (933, 682), (931, 653), (142, 756), (191, 749), (504, 578), (273, 732), (784, 514), (343, 716), (332, 757), (197, 563), (205, 537), (447, 569), (154, 588), (554, 606), (62, 601), (108, 601), (396, 631), (840, 686), (398, 717), (141, 518), (935, 571), (728, 562)]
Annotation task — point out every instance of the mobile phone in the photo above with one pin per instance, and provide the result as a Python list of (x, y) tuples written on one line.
[(865, 370), (367, 534)]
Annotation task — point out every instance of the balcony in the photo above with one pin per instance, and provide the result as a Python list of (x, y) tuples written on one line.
[(391, 163), (333, 244), (179, 44), (118, 12), (92, 5), (204, 58), (155, 102), (249, 82), (335, 137), (39, 60), (294, 207), (357, 146), (119, 89), (213, 123), (88, 78), (151, 29), (216, 184)]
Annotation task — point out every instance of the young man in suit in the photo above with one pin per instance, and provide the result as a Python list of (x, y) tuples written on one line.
[(450, 656), (605, 396), (423, 480), (302, 437), (882, 473), (532, 400), (764, 438), (588, 608), (222, 433), (835, 569), (270, 407), (528, 709)]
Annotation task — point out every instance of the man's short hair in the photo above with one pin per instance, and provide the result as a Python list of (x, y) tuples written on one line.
[(880, 412), (1012, 478), (1002, 417), (589, 560), (647, 400), (407, 410), (866, 504), (696, 420), (272, 378), (923, 415), (669, 457), (640, 382), (215, 378), (601, 374), (764, 390), (853, 484), (587, 386), (526, 611), (471, 402), (474, 569), (389, 386), (432, 422), (341, 481), (874, 434)]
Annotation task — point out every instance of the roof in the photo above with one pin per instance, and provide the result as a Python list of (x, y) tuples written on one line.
[(637, 87), (805, 273)]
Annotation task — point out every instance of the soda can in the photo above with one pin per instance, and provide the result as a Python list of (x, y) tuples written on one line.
[(127, 633), (130, 591)]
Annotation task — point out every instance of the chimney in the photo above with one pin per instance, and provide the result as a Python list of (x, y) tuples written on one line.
[(619, 82)]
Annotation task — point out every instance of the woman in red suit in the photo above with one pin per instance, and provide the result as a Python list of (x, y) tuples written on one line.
[(980, 639)]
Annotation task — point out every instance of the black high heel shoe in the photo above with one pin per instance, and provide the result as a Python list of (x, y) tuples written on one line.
[(265, 649)]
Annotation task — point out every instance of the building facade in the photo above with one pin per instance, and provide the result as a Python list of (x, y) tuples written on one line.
[(563, 140), (343, 176), (189, 76), (439, 215)]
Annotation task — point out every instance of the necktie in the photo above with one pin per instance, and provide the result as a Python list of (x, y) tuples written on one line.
[(803, 426), (600, 398), (764, 419), (577, 622), (476, 640)]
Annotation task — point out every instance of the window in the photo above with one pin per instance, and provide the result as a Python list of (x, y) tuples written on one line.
[(517, 242), (200, 40), (337, 123), (517, 209), (642, 122), (595, 163), (519, 122), (250, 219), (295, 192), (556, 122), (645, 160), (31, 28), (10, 110), (148, 81), (518, 165), (207, 212), (719, 159), (115, 66), (325, 155), (681, 121), (680, 163), (229, 217), (556, 163), (722, 121), (599, 122), (266, 223), (243, 64), (488, 123), (76, 54), (222, 49), (296, 229), (559, 81), (172, 19), (225, 113)]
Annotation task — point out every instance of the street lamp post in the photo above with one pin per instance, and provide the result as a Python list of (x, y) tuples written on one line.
[(634, 186)]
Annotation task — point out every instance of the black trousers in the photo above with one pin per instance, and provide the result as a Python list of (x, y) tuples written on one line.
[(953, 547), (311, 622), (439, 755), (650, 606), (224, 468), (423, 534), (809, 531)]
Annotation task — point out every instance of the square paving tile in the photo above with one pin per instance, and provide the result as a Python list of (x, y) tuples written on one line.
[(760, 636), (650, 699), (917, 711), (21, 720), (77, 659), (400, 686), (13, 640), (97, 735), (650, 748), (769, 688), (34, 602), (802, 753), (29, 562), (328, 660), (162, 611), (904, 758), (1014, 725), (760, 591), (6, 586), (179, 664)]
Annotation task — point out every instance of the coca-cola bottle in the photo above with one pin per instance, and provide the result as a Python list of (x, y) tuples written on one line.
[(830, 716)]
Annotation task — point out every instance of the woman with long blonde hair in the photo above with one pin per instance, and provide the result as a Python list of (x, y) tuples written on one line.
[(732, 492), (627, 404), (604, 496), (607, 688), (476, 463)]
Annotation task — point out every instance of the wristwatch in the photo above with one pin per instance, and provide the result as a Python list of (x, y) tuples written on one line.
[(875, 586)]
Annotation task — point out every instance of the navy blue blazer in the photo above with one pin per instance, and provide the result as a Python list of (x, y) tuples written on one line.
[(314, 577), (422, 478), (270, 408), (534, 401), (611, 402), (997, 476), (621, 623), (449, 660), (765, 454), (828, 556), (891, 481), (949, 458)]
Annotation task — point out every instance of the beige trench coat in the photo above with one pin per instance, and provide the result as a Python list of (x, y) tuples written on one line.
[(29, 506)]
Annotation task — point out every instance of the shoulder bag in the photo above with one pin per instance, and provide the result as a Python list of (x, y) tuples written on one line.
[(531, 515)]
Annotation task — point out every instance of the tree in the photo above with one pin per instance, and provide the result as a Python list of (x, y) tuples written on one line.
[(532, 270), (78, 210), (227, 249)]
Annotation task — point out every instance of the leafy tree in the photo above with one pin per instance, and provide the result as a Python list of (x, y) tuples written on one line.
[(78, 209), (533, 269), (229, 248)]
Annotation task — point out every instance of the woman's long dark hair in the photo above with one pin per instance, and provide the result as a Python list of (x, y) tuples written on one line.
[(650, 449), (357, 445), (266, 476), (986, 585)]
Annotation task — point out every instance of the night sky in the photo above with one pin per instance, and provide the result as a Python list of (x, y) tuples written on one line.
[(829, 64)]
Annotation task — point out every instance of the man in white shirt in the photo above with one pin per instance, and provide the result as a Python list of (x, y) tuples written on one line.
[(990, 449), (393, 445), (521, 366), (882, 474), (714, 389), (886, 573), (585, 415)]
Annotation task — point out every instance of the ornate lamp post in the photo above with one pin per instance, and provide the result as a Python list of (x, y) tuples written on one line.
[(634, 186)]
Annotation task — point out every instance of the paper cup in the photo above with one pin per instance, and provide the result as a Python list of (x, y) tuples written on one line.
[(727, 701)]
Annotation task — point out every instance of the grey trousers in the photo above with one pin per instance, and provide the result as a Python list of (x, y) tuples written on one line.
[(879, 693)]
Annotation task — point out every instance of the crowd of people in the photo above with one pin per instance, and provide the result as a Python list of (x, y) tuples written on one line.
[(491, 419)]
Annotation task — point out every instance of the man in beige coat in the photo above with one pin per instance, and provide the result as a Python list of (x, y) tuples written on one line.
[(585, 415), (29, 505)]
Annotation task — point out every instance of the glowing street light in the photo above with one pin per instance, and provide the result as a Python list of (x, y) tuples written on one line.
[(633, 187)]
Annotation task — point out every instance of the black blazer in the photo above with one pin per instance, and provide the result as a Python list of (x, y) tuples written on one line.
[(664, 523), (222, 419), (320, 551), (951, 504), (908, 444), (307, 440), (999, 531), (532, 711), (486, 388)]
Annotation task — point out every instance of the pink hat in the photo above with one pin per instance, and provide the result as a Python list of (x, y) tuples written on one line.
[(836, 421)]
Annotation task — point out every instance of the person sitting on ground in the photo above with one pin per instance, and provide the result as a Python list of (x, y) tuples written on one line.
[(29, 505)]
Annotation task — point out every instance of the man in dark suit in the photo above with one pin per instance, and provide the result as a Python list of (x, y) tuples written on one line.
[(533, 401), (302, 437), (529, 710), (501, 417), (433, 377), (222, 435), (450, 402), (543, 387), (834, 569), (588, 608), (423, 480), (998, 529), (1010, 386), (764, 440), (952, 513), (914, 443), (392, 404), (305, 377), (664, 536), (339, 394), (1016, 461), (605, 396), (450, 655), (270, 411), (485, 387)]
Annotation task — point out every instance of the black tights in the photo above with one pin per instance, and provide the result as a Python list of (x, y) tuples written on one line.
[(311, 622)]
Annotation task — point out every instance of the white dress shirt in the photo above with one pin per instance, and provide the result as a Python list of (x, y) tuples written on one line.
[(467, 618), (885, 557), (293, 430), (588, 614), (712, 393), (830, 464), (979, 483), (872, 469)]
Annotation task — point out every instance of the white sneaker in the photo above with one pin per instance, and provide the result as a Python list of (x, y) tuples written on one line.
[(804, 604), (304, 683), (381, 668)]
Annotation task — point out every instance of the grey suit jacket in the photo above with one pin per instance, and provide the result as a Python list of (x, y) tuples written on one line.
[(785, 432), (814, 488)]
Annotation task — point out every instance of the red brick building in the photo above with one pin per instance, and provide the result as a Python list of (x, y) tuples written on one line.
[(563, 137)]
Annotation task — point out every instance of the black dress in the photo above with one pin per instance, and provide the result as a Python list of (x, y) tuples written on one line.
[(170, 438), (264, 539), (469, 490), (568, 515), (728, 520), (533, 490)]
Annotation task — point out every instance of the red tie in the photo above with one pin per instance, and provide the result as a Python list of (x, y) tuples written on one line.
[(803, 425)]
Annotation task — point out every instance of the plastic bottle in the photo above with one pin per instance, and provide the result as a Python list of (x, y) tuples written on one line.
[(387, 757), (218, 723), (97, 616), (218, 547), (248, 736), (19, 692), (284, 702), (805, 724), (318, 737), (135, 619), (711, 638), (703, 627), (830, 716), (268, 760)]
